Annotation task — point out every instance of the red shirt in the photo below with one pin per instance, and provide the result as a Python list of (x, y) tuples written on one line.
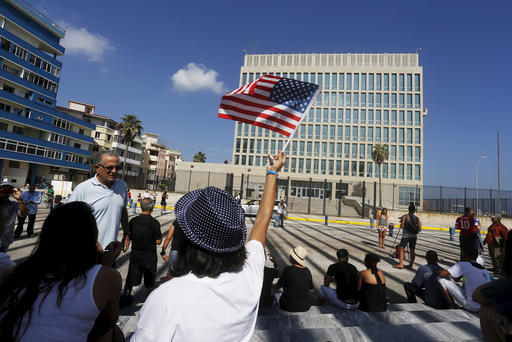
[(494, 231), (466, 225)]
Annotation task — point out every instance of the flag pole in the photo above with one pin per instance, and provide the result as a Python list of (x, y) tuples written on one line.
[(499, 180), (306, 112)]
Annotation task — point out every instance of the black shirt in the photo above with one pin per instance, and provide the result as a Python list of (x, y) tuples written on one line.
[(178, 238), (296, 282), (144, 231), (266, 297), (345, 275)]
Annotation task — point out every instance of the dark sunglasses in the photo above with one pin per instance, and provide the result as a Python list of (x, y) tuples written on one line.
[(110, 168)]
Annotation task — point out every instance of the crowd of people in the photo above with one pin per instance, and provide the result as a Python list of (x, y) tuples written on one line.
[(69, 290)]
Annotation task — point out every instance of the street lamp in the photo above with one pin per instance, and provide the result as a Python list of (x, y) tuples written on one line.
[(483, 156)]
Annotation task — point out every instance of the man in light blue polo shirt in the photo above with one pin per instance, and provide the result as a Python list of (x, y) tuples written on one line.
[(31, 198), (107, 195)]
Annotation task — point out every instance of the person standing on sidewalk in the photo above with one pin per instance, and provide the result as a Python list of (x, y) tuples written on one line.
[(411, 226), (144, 233), (163, 202), (382, 226), (31, 198), (469, 234), (281, 210), (495, 240), (8, 211)]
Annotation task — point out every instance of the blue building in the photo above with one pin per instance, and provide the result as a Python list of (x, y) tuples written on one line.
[(38, 143)]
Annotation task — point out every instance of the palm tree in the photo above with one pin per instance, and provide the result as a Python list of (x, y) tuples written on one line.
[(379, 154), (199, 157), (130, 128)]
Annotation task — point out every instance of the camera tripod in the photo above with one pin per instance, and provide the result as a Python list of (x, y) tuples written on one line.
[(393, 247)]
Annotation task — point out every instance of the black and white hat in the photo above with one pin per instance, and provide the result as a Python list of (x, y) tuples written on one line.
[(212, 219)]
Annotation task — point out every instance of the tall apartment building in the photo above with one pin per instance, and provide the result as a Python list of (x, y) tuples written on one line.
[(158, 162), (365, 99), (37, 142), (108, 138)]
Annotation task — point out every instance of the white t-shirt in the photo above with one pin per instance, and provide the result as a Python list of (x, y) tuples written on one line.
[(218, 309), (473, 277)]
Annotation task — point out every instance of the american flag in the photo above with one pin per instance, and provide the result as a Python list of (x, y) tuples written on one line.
[(271, 102)]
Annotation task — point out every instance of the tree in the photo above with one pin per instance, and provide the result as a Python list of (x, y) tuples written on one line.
[(379, 154), (199, 157), (130, 127)]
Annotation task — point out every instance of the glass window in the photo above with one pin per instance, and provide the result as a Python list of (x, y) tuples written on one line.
[(368, 169), (417, 118), (244, 144), (409, 82), (315, 166), (401, 82), (363, 116), (386, 82), (246, 130), (346, 151), (305, 77), (347, 116), (400, 171), (244, 160), (265, 146), (273, 147), (353, 171), (310, 131), (361, 169), (417, 136), (340, 132), (363, 81), (400, 153), (300, 167), (393, 100), (324, 149), (401, 98), (345, 168), (416, 82), (237, 145), (333, 99), (317, 131), (417, 101), (334, 81), (319, 99), (301, 148), (237, 159), (401, 134), (363, 100), (409, 135), (417, 154), (393, 135), (332, 132), (356, 100), (326, 99), (324, 131), (393, 82), (356, 81), (354, 133), (369, 151), (258, 75), (354, 151), (378, 100), (309, 148), (385, 170), (386, 117), (386, 100), (349, 82), (239, 128), (393, 117), (370, 116), (331, 149), (385, 135), (392, 153), (409, 171), (409, 100), (326, 115), (340, 115), (370, 81), (347, 132), (362, 133), (342, 81), (409, 153), (416, 172), (294, 147), (318, 115), (355, 116), (377, 134), (308, 165), (393, 171), (401, 117), (312, 80), (347, 99), (303, 131), (409, 118), (370, 133), (338, 167), (370, 100), (338, 150), (244, 78), (340, 99), (327, 84), (377, 117), (320, 80), (317, 149), (378, 81), (293, 164), (251, 75), (331, 167), (361, 151), (258, 146)]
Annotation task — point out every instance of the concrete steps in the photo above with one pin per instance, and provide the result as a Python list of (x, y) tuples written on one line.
[(402, 322)]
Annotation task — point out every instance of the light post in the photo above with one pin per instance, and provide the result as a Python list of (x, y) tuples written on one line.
[(483, 156)]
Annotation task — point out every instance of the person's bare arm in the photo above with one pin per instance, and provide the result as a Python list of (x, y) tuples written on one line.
[(360, 281), (259, 230), (327, 280), (443, 273), (402, 222), (158, 242), (124, 220), (167, 240), (21, 205)]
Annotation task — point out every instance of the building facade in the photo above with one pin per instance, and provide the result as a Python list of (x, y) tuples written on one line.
[(366, 99), (108, 138), (37, 142), (158, 166)]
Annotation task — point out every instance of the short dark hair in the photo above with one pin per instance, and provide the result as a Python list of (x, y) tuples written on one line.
[(204, 263), (469, 254), (412, 208), (467, 210), (342, 253), (431, 257), (58, 197)]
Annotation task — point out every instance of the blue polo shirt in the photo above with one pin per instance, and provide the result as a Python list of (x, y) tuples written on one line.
[(28, 197), (107, 205)]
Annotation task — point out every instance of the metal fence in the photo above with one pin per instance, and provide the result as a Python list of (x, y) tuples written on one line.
[(454, 200)]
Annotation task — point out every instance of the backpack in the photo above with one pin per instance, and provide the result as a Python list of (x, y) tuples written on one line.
[(412, 225)]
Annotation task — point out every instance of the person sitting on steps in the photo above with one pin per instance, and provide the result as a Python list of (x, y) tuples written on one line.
[(372, 286)]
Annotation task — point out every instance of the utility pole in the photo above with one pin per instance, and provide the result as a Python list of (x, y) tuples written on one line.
[(499, 179)]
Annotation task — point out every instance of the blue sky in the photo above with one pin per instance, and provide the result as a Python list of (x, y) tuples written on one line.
[(121, 57)]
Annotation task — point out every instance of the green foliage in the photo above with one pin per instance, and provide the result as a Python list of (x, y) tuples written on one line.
[(199, 157)]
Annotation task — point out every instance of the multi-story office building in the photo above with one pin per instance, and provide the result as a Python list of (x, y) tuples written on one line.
[(108, 138), (37, 142), (366, 99)]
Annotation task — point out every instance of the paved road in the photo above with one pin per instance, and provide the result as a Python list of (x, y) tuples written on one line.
[(321, 242)]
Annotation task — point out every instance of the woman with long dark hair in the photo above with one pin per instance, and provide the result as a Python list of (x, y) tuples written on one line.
[(372, 286), (61, 293)]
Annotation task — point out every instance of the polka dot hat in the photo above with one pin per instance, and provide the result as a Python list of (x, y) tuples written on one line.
[(212, 219)]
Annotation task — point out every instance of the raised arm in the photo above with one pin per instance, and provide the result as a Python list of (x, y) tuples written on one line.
[(259, 230)]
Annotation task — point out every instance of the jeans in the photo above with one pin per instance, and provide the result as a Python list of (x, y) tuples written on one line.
[(21, 222), (332, 295), (458, 295)]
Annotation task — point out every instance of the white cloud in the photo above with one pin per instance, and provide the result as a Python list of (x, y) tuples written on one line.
[(196, 77), (79, 41)]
